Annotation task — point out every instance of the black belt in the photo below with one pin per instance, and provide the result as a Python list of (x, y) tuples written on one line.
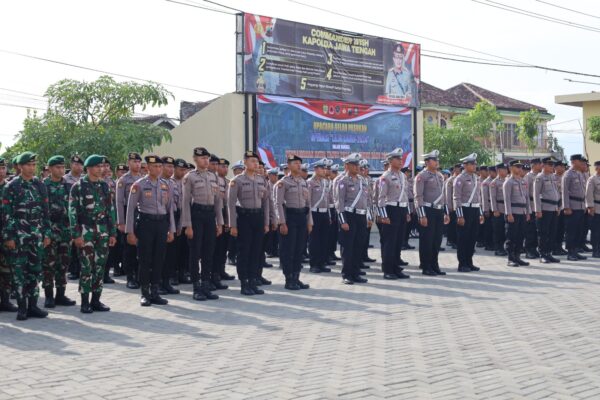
[(518, 205), (303, 210), (576, 198), (202, 207), (553, 202), (247, 211), (597, 201), (153, 217), (500, 201), (411, 200)]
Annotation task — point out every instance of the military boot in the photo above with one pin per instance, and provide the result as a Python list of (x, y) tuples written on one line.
[(49, 301), (22, 309), (155, 297), (254, 286), (216, 280), (245, 289), (33, 310), (5, 304), (85, 304), (198, 293), (61, 300), (205, 287), (290, 283), (97, 305), (145, 297), (168, 288), (301, 284)]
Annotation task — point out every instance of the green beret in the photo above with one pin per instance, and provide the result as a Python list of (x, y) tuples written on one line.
[(94, 160), (2, 162), (56, 160), (26, 157)]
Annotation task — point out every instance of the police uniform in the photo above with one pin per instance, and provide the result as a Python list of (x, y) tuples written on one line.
[(271, 237), (487, 228), (130, 261), (467, 203), (392, 208), (334, 227), (545, 207), (202, 210), (352, 205), (182, 266), (222, 244), (172, 251), (412, 224), (232, 250), (516, 202), (319, 207), (592, 202), (69, 177), (430, 203), (573, 199), (498, 212), (248, 205), (153, 199), (531, 239), (557, 249), (292, 202), (449, 193)]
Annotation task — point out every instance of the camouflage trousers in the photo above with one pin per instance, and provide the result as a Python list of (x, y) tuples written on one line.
[(5, 274), (26, 263), (93, 257), (56, 263)]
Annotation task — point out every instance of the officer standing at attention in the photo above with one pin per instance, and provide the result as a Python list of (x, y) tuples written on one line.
[(169, 266), (202, 216), (487, 231), (592, 202), (71, 177), (364, 172), (557, 249), (130, 262), (5, 269), (153, 227), (482, 172), (334, 227), (430, 204), (498, 210), (392, 208), (292, 202), (449, 193), (531, 239), (223, 240), (26, 232), (93, 230), (352, 206), (573, 200), (545, 206), (248, 206), (272, 244), (319, 207), (516, 201)]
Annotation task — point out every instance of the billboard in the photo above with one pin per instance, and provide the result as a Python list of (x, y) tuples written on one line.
[(280, 57), (314, 129)]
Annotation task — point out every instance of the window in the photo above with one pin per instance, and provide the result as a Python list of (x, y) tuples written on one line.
[(443, 123), (511, 133)]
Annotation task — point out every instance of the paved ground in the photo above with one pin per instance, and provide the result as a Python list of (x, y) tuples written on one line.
[(503, 333)]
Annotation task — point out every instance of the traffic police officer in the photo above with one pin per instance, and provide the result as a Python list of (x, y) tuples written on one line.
[(449, 193), (516, 202), (319, 194), (545, 206), (592, 202), (151, 228), (219, 272), (573, 200), (487, 231), (171, 257), (498, 209), (531, 239), (248, 206)]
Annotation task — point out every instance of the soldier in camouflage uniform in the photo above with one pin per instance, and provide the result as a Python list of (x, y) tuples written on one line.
[(5, 272), (93, 230), (26, 233), (58, 254)]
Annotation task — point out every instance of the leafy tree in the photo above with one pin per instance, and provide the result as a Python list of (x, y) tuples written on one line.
[(527, 128), (593, 127), (92, 117), (481, 123), (454, 144)]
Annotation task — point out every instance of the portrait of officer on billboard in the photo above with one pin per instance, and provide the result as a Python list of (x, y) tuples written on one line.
[(400, 81)]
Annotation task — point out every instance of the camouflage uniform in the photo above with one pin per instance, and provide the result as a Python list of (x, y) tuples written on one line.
[(58, 254), (92, 217), (25, 220), (5, 272)]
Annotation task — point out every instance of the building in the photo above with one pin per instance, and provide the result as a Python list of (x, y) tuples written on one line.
[(438, 106), (590, 105)]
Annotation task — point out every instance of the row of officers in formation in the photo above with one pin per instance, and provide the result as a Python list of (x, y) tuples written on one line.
[(166, 222)]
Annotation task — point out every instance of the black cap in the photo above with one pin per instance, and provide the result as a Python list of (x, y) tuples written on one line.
[(223, 161), (576, 157), (214, 158), (191, 166), (250, 154), (535, 161), (181, 163), (516, 163), (201, 151), (293, 157), (548, 161), (76, 159), (483, 168), (597, 164), (168, 160), (501, 166), (122, 167), (492, 169), (153, 159)]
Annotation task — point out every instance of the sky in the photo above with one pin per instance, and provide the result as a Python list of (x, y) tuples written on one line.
[(194, 48)]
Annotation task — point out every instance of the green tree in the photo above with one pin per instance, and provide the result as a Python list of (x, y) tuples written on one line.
[(93, 117), (527, 128), (453, 145), (481, 123), (593, 127)]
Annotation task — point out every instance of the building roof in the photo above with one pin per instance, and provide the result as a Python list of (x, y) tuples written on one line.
[(188, 108), (159, 120), (466, 95), (577, 99)]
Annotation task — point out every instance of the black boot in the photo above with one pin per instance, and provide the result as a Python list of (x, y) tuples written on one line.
[(107, 279), (226, 277), (290, 283), (22, 309), (545, 258), (245, 290), (155, 297), (132, 284), (198, 293), (166, 286), (206, 290), (145, 297), (512, 260), (217, 282), (254, 283), (49, 301), (33, 310), (5, 304), (85, 304), (174, 282), (61, 299), (97, 304), (520, 261), (301, 284), (264, 281)]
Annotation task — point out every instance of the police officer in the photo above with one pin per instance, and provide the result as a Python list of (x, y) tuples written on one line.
[(130, 261), (430, 205), (516, 202), (219, 272), (545, 206), (364, 173), (319, 195), (498, 209), (483, 173), (557, 249), (202, 216), (237, 169), (592, 203), (573, 200), (449, 193), (171, 257), (152, 228), (271, 238), (5, 269), (531, 239), (292, 202), (352, 205), (334, 227), (412, 224), (467, 203), (392, 208), (248, 206), (488, 229), (181, 259)]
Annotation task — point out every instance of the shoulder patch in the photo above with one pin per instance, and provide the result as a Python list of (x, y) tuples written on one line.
[(232, 183), (134, 188), (120, 184), (279, 184)]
